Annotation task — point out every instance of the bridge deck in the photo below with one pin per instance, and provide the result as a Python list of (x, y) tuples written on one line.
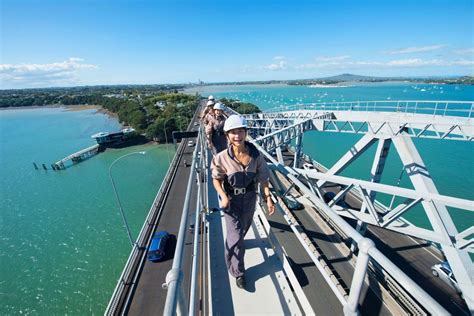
[(268, 290)]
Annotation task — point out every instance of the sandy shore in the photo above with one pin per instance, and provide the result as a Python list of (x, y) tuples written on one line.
[(66, 108), (75, 108), (29, 107)]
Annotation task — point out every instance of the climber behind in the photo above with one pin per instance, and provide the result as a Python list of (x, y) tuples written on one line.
[(207, 112), (215, 135)]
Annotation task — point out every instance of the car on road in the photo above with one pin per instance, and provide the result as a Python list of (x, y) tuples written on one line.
[(308, 166), (292, 203), (196, 124), (157, 249), (190, 143), (444, 272)]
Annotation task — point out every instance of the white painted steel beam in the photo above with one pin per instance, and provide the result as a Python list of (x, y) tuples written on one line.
[(392, 190), (438, 216), (400, 226), (397, 126), (378, 164), (339, 195), (418, 293), (384, 121)]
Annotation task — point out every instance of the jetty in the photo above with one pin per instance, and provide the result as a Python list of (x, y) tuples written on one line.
[(77, 156), (104, 140)]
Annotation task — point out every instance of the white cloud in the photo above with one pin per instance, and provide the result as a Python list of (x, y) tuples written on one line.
[(407, 62), (281, 65), (76, 59), (409, 50), (463, 63), (64, 72), (466, 51), (333, 59), (326, 62), (345, 63), (417, 62), (398, 63)]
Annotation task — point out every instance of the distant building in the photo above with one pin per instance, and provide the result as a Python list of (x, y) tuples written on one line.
[(110, 139), (115, 95)]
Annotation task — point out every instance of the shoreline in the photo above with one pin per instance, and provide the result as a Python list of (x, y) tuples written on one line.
[(65, 108), (79, 107)]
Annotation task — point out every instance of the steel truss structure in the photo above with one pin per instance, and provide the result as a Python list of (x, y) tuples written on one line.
[(274, 132)]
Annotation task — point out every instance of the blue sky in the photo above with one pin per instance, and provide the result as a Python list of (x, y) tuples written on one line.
[(90, 42)]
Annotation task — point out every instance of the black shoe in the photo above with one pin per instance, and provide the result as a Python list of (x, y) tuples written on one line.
[(240, 281)]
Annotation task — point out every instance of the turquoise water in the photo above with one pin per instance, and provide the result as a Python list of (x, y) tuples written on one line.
[(443, 158), (63, 243), (270, 96)]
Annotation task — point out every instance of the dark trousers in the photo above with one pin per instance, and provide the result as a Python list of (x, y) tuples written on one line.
[(238, 219)]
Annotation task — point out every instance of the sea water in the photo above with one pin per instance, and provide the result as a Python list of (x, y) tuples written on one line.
[(63, 242), (273, 95), (449, 162)]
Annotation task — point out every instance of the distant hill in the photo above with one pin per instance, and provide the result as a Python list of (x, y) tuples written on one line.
[(341, 78), (358, 78), (351, 77)]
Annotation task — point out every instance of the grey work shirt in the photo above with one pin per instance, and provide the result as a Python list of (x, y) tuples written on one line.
[(215, 124), (227, 168), (207, 117), (215, 133)]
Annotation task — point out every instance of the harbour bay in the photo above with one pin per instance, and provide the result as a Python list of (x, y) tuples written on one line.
[(63, 241)]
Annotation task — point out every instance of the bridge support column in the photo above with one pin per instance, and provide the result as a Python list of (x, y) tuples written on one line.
[(279, 155), (298, 148), (378, 165), (352, 306)]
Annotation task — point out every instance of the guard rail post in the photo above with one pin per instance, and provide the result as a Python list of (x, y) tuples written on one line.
[(351, 307)]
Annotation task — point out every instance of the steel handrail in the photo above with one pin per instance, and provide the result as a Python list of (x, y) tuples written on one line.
[(175, 296), (441, 107)]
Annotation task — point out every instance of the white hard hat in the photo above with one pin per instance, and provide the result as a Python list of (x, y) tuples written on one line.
[(233, 122), (210, 103), (218, 106), (211, 97)]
